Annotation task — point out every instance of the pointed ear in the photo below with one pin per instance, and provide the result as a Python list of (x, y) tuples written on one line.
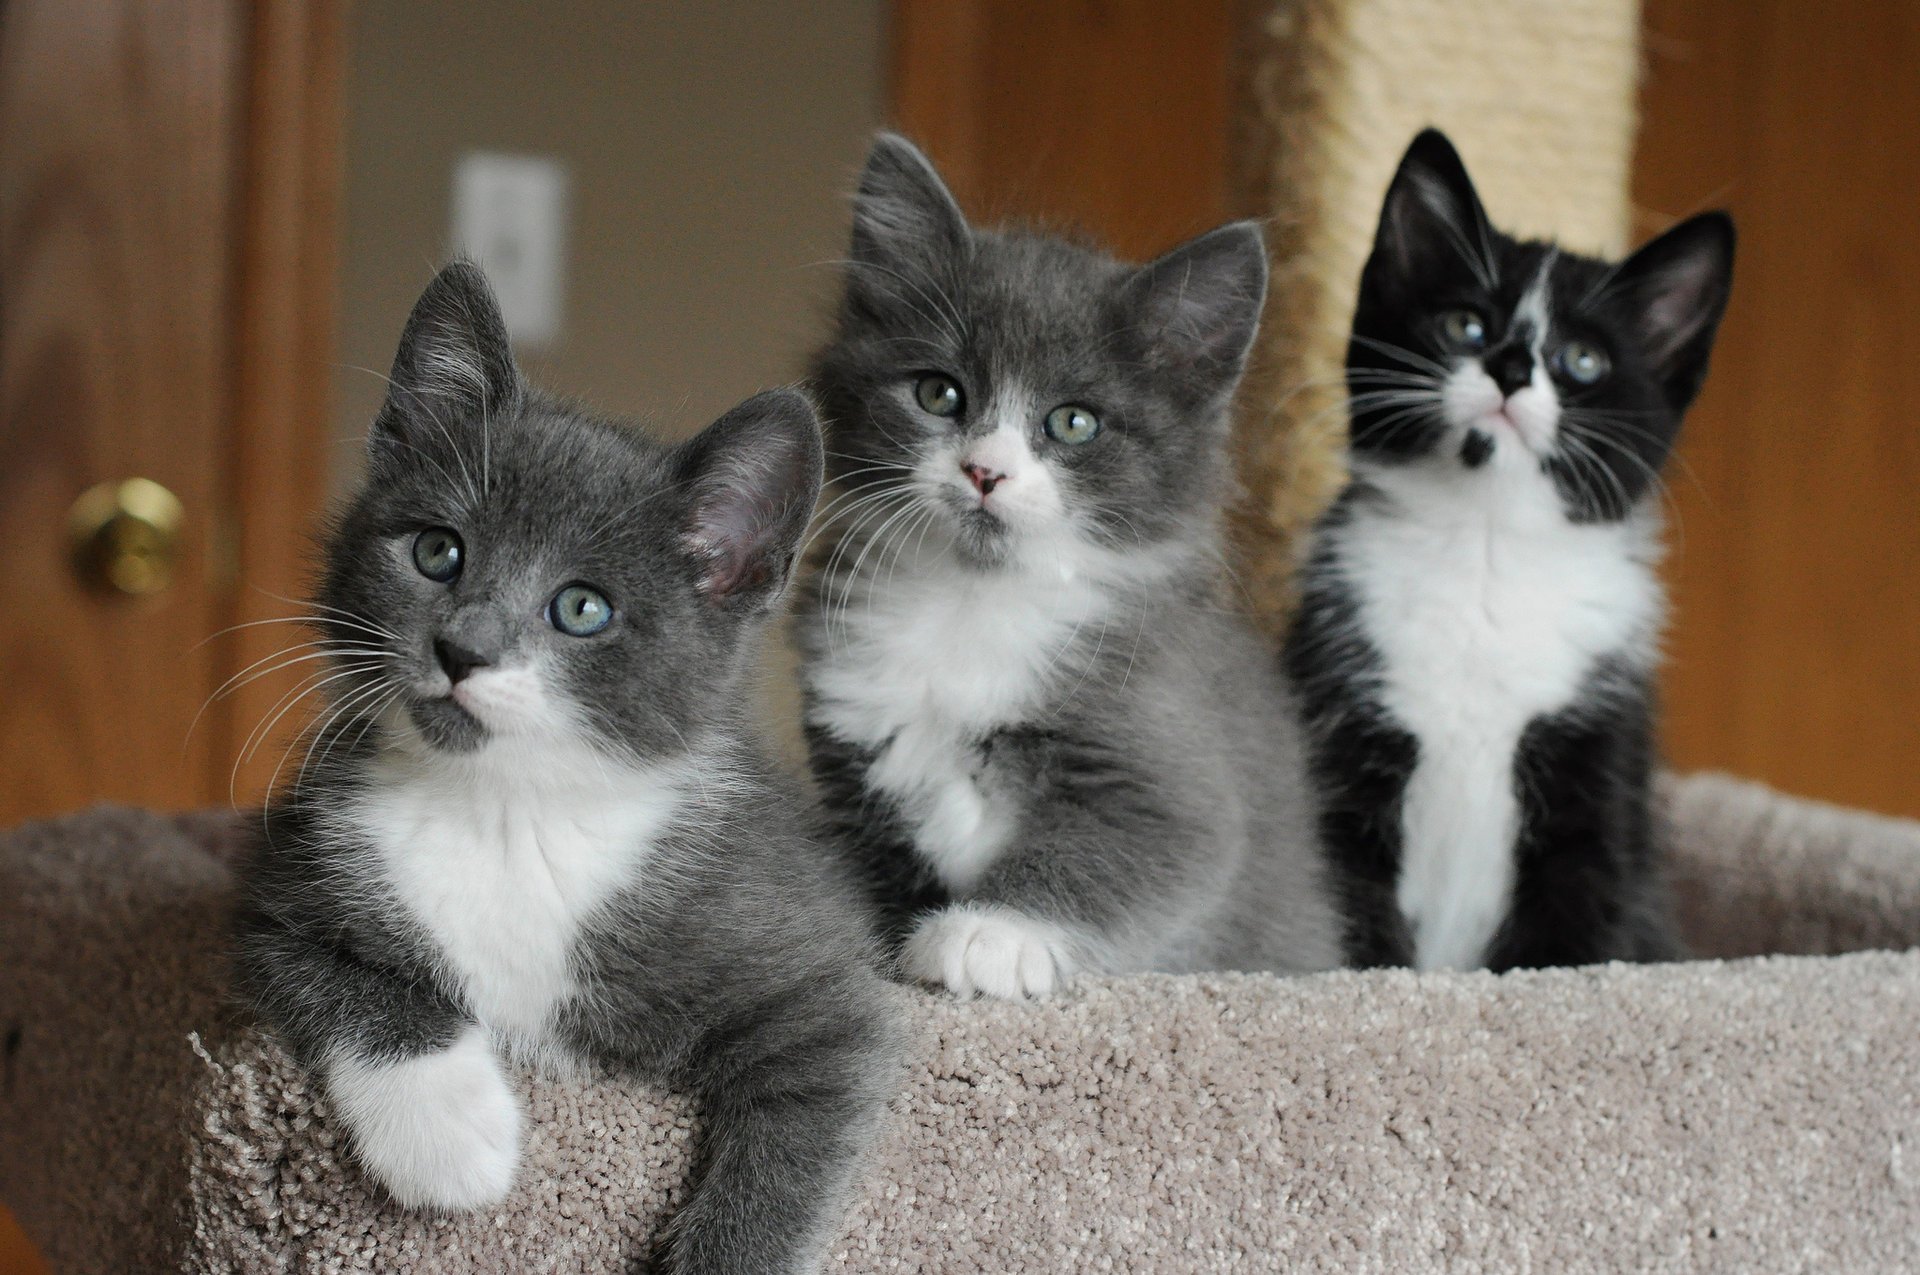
[(1195, 310), (753, 476), (905, 221), (454, 363), (1431, 211), (1677, 285)]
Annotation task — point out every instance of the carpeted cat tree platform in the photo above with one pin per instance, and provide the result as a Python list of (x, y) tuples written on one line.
[(1751, 1113), (1755, 1115)]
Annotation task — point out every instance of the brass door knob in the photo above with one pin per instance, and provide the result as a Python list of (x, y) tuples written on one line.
[(126, 536)]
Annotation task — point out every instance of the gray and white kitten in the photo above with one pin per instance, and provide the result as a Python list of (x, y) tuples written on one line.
[(535, 820), (1031, 708)]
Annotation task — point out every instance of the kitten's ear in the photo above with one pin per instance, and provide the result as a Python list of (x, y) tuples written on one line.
[(905, 221), (1195, 310), (454, 363), (753, 477), (1677, 285), (1431, 211)]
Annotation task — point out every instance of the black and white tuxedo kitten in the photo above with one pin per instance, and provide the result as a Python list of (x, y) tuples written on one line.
[(535, 822), (1031, 708), (1476, 644)]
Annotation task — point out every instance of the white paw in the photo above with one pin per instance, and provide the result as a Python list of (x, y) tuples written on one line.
[(991, 950), (439, 1130)]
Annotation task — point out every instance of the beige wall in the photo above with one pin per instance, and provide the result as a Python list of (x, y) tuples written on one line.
[(711, 149), (710, 145)]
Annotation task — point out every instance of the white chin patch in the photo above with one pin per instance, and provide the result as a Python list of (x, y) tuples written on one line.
[(1535, 411), (995, 951), (439, 1130)]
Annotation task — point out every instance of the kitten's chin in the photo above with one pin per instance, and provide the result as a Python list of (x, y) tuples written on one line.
[(446, 726), (982, 540)]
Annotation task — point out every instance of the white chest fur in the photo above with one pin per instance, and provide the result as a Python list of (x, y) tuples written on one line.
[(1487, 613), (935, 658), (502, 861)]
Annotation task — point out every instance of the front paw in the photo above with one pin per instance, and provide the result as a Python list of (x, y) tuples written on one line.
[(439, 1130), (992, 950)]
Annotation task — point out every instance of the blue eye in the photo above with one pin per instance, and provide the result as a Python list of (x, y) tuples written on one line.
[(939, 395), (1072, 424), (1464, 330), (580, 610), (438, 553), (1581, 362)]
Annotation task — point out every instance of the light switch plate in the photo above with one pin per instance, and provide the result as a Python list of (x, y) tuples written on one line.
[(509, 214)]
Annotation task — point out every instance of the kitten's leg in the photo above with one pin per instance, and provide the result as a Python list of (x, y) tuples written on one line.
[(1108, 857), (1589, 886), (791, 1102), (898, 883), (1361, 764), (415, 1083)]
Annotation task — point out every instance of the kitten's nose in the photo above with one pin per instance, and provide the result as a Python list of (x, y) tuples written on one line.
[(456, 660), (1511, 368), (985, 479)]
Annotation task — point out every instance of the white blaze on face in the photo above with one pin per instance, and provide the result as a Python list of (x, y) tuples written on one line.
[(1472, 400), (1025, 494)]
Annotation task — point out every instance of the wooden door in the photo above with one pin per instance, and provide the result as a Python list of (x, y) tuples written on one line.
[(1107, 116), (166, 217), (117, 146), (1796, 651), (165, 271)]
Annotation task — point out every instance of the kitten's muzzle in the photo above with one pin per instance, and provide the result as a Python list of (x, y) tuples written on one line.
[(983, 477), (456, 661), (1511, 367)]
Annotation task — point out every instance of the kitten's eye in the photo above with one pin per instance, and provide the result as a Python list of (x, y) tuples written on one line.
[(580, 610), (1464, 330), (438, 553), (1071, 423), (1582, 363), (939, 395)]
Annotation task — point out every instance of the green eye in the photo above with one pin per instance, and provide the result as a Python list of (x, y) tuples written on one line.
[(580, 610), (438, 553), (1582, 363), (1464, 330), (939, 395), (1072, 424)]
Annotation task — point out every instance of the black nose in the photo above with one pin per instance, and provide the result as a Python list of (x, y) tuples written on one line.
[(1511, 367), (457, 660)]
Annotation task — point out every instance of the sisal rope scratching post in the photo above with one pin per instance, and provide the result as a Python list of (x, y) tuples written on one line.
[(1540, 99)]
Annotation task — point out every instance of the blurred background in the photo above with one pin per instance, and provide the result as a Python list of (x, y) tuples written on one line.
[(215, 215)]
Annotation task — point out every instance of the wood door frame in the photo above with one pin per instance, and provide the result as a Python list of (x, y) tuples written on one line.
[(286, 294)]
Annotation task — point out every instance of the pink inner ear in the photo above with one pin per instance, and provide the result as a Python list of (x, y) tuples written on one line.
[(737, 524), (752, 477), (1675, 313), (731, 535)]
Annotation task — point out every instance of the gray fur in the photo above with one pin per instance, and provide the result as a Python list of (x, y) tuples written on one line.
[(1154, 781), (734, 964)]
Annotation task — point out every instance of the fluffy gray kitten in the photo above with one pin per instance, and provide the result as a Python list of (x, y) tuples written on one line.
[(1031, 707), (535, 821)]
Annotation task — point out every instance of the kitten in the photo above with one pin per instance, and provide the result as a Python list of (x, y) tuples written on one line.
[(1476, 645), (1032, 711), (535, 820)]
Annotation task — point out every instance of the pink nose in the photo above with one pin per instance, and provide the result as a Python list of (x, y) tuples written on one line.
[(983, 478)]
